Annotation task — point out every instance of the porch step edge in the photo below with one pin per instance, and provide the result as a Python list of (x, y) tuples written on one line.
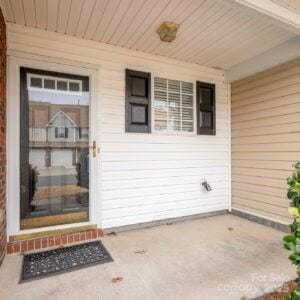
[(41, 234), (53, 241)]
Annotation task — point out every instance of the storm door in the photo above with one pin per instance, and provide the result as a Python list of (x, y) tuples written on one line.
[(54, 148)]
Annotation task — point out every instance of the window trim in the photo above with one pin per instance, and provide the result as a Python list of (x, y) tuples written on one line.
[(15, 63), (172, 132), (55, 90)]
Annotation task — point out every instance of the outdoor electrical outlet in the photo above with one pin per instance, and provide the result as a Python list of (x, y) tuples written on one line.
[(206, 185)]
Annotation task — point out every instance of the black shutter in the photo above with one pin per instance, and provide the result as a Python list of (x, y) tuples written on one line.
[(56, 132), (66, 132), (138, 101), (206, 108)]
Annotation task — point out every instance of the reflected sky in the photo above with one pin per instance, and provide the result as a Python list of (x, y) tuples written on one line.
[(59, 98)]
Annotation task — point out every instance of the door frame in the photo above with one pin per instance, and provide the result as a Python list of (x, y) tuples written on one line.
[(13, 137)]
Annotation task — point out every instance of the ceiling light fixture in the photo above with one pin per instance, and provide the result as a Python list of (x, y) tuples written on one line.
[(167, 31)]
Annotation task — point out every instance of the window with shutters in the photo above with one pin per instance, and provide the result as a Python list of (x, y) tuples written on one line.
[(61, 132), (83, 132), (173, 105), (206, 108)]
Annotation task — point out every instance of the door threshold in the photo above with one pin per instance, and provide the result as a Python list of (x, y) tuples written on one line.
[(52, 220)]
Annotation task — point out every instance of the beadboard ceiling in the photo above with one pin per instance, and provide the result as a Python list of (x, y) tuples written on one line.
[(212, 32)]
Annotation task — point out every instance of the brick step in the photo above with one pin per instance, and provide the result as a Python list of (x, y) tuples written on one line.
[(53, 241)]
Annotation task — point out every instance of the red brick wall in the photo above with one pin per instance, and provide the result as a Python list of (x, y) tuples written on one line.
[(2, 138), (53, 241)]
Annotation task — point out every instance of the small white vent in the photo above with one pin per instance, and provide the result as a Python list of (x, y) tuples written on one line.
[(173, 105)]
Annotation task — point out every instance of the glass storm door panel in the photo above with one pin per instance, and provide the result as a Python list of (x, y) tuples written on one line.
[(54, 148)]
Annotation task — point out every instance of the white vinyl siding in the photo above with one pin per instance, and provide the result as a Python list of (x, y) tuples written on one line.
[(173, 105), (144, 177)]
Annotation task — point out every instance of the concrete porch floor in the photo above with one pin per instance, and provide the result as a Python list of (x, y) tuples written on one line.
[(220, 257)]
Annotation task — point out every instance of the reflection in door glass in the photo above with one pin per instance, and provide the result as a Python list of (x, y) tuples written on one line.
[(54, 154)]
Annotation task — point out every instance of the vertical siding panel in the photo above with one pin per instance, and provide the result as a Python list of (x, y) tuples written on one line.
[(63, 13), (18, 11), (41, 14), (52, 13)]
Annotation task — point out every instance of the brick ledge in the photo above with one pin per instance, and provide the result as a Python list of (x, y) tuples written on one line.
[(51, 241)]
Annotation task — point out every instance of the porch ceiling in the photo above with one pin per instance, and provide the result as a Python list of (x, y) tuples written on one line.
[(214, 33)]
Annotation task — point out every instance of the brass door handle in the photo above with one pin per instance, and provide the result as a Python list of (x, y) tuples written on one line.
[(94, 148)]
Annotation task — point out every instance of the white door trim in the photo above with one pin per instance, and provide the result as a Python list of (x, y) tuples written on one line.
[(13, 137)]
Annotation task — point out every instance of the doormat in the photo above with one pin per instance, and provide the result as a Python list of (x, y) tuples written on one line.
[(52, 262)]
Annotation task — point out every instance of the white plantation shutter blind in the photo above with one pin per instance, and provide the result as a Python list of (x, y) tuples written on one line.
[(173, 105)]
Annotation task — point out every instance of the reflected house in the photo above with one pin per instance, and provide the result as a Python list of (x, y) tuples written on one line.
[(58, 149), (57, 133)]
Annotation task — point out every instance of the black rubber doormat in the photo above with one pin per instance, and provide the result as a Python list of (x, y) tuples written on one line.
[(56, 261)]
